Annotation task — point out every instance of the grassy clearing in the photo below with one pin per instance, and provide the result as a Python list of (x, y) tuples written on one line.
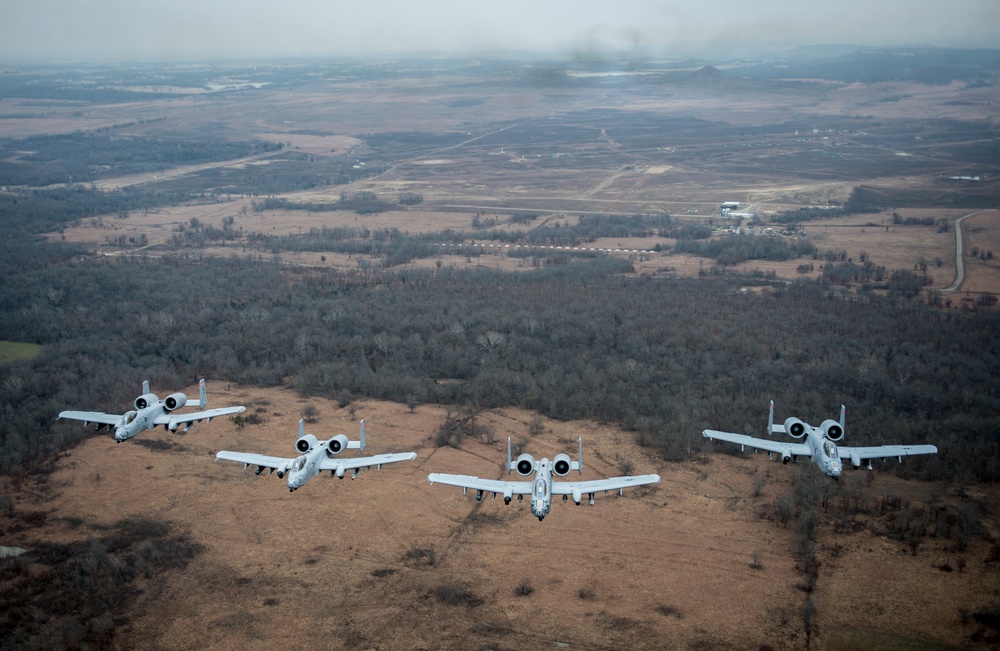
[(12, 351)]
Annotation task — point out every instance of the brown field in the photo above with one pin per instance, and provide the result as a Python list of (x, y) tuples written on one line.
[(346, 564), (567, 150), (888, 245), (982, 232), (338, 564)]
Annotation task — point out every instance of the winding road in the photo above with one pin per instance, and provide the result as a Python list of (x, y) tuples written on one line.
[(959, 263)]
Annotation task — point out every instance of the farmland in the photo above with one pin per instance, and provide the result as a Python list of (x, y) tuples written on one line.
[(536, 244)]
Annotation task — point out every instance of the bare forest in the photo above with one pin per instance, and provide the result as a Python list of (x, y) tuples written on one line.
[(506, 248)]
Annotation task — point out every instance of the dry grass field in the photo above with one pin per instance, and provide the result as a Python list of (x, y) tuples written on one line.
[(388, 561), (562, 150), (885, 244), (982, 232)]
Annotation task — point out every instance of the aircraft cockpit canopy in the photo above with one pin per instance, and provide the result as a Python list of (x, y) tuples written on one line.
[(541, 488), (299, 463)]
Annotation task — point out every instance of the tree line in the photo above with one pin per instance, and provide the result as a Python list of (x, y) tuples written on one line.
[(84, 156), (663, 358), (398, 247)]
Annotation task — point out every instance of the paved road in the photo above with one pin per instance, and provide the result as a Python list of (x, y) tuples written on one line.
[(959, 262)]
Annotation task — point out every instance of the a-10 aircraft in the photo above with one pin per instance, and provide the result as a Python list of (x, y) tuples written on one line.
[(820, 444), (543, 486), (316, 456), (150, 411)]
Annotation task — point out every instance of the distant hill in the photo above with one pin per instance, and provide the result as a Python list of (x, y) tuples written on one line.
[(845, 63), (711, 77), (826, 51)]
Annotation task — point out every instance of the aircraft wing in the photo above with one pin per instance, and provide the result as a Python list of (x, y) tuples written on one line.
[(795, 449), (173, 419), (480, 484), (366, 462), (884, 451), (92, 417), (598, 485), (260, 460)]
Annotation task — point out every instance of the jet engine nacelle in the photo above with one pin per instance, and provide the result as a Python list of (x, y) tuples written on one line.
[(560, 465), (795, 428), (145, 400), (174, 401), (305, 443), (832, 430), (525, 464), (336, 445)]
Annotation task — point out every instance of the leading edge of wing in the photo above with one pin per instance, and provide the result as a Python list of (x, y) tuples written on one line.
[(254, 459), (366, 462), (886, 451), (800, 449), (175, 417), (598, 485), (92, 417), (480, 484)]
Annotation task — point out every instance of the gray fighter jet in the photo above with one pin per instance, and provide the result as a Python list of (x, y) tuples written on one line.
[(150, 411), (316, 456), (820, 444), (543, 486)]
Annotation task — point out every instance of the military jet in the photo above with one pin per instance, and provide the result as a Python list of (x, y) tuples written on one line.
[(316, 456), (150, 411), (543, 486), (820, 444)]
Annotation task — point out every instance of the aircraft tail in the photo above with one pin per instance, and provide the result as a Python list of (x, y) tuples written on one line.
[(145, 387), (771, 427), (510, 462), (360, 443), (202, 394), (302, 428), (579, 453), (843, 420)]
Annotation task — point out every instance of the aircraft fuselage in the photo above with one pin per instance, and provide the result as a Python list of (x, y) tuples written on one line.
[(303, 468), (541, 490), (824, 453), (136, 421)]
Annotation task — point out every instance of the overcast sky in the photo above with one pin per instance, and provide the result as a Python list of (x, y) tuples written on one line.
[(128, 29)]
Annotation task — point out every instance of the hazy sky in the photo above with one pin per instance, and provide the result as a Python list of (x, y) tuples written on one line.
[(193, 28)]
